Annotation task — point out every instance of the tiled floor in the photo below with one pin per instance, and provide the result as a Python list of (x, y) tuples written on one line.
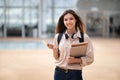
[(38, 64)]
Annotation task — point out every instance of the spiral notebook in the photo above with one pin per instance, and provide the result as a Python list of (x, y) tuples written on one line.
[(79, 49)]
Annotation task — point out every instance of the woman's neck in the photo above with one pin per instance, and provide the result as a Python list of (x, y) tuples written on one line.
[(71, 31)]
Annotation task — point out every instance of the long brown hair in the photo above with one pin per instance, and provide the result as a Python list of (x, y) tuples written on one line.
[(79, 23)]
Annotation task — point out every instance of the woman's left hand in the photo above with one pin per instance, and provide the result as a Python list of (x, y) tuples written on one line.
[(71, 60), (74, 60)]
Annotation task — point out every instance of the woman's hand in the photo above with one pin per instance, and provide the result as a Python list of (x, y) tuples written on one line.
[(72, 60), (55, 50), (50, 46)]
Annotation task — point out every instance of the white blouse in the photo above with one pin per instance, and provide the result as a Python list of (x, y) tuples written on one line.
[(64, 48)]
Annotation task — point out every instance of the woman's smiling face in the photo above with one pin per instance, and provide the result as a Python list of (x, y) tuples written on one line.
[(69, 21)]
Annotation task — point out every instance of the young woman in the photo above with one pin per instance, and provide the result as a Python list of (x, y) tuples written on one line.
[(67, 67)]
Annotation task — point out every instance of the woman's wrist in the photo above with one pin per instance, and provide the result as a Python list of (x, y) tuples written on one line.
[(78, 60), (55, 52)]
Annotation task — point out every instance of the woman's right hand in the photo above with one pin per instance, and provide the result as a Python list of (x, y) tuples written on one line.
[(50, 46), (55, 50)]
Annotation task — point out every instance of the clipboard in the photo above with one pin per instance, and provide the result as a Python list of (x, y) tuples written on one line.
[(79, 49)]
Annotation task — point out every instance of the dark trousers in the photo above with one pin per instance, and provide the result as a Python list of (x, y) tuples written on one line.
[(61, 74)]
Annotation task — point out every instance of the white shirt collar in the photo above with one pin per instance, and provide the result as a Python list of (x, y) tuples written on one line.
[(76, 35)]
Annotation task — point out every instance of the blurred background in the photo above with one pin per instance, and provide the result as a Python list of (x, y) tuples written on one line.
[(25, 23), (38, 18)]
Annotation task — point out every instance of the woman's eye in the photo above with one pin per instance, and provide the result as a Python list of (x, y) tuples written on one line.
[(71, 18), (65, 19)]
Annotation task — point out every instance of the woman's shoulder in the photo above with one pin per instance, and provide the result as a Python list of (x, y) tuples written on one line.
[(86, 36), (56, 35)]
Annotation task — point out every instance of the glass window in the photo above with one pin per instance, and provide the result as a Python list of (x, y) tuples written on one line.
[(31, 3), (26, 3), (30, 17), (1, 3), (65, 3), (14, 17), (1, 22), (1, 15), (95, 23), (14, 3), (34, 17), (48, 3), (35, 2), (61, 3), (27, 16), (48, 16)]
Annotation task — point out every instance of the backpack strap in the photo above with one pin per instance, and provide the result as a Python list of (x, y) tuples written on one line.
[(59, 37), (82, 37)]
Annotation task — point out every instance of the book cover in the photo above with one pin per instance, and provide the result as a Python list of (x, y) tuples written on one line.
[(79, 49)]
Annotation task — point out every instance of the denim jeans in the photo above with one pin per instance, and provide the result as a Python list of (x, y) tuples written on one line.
[(70, 75)]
